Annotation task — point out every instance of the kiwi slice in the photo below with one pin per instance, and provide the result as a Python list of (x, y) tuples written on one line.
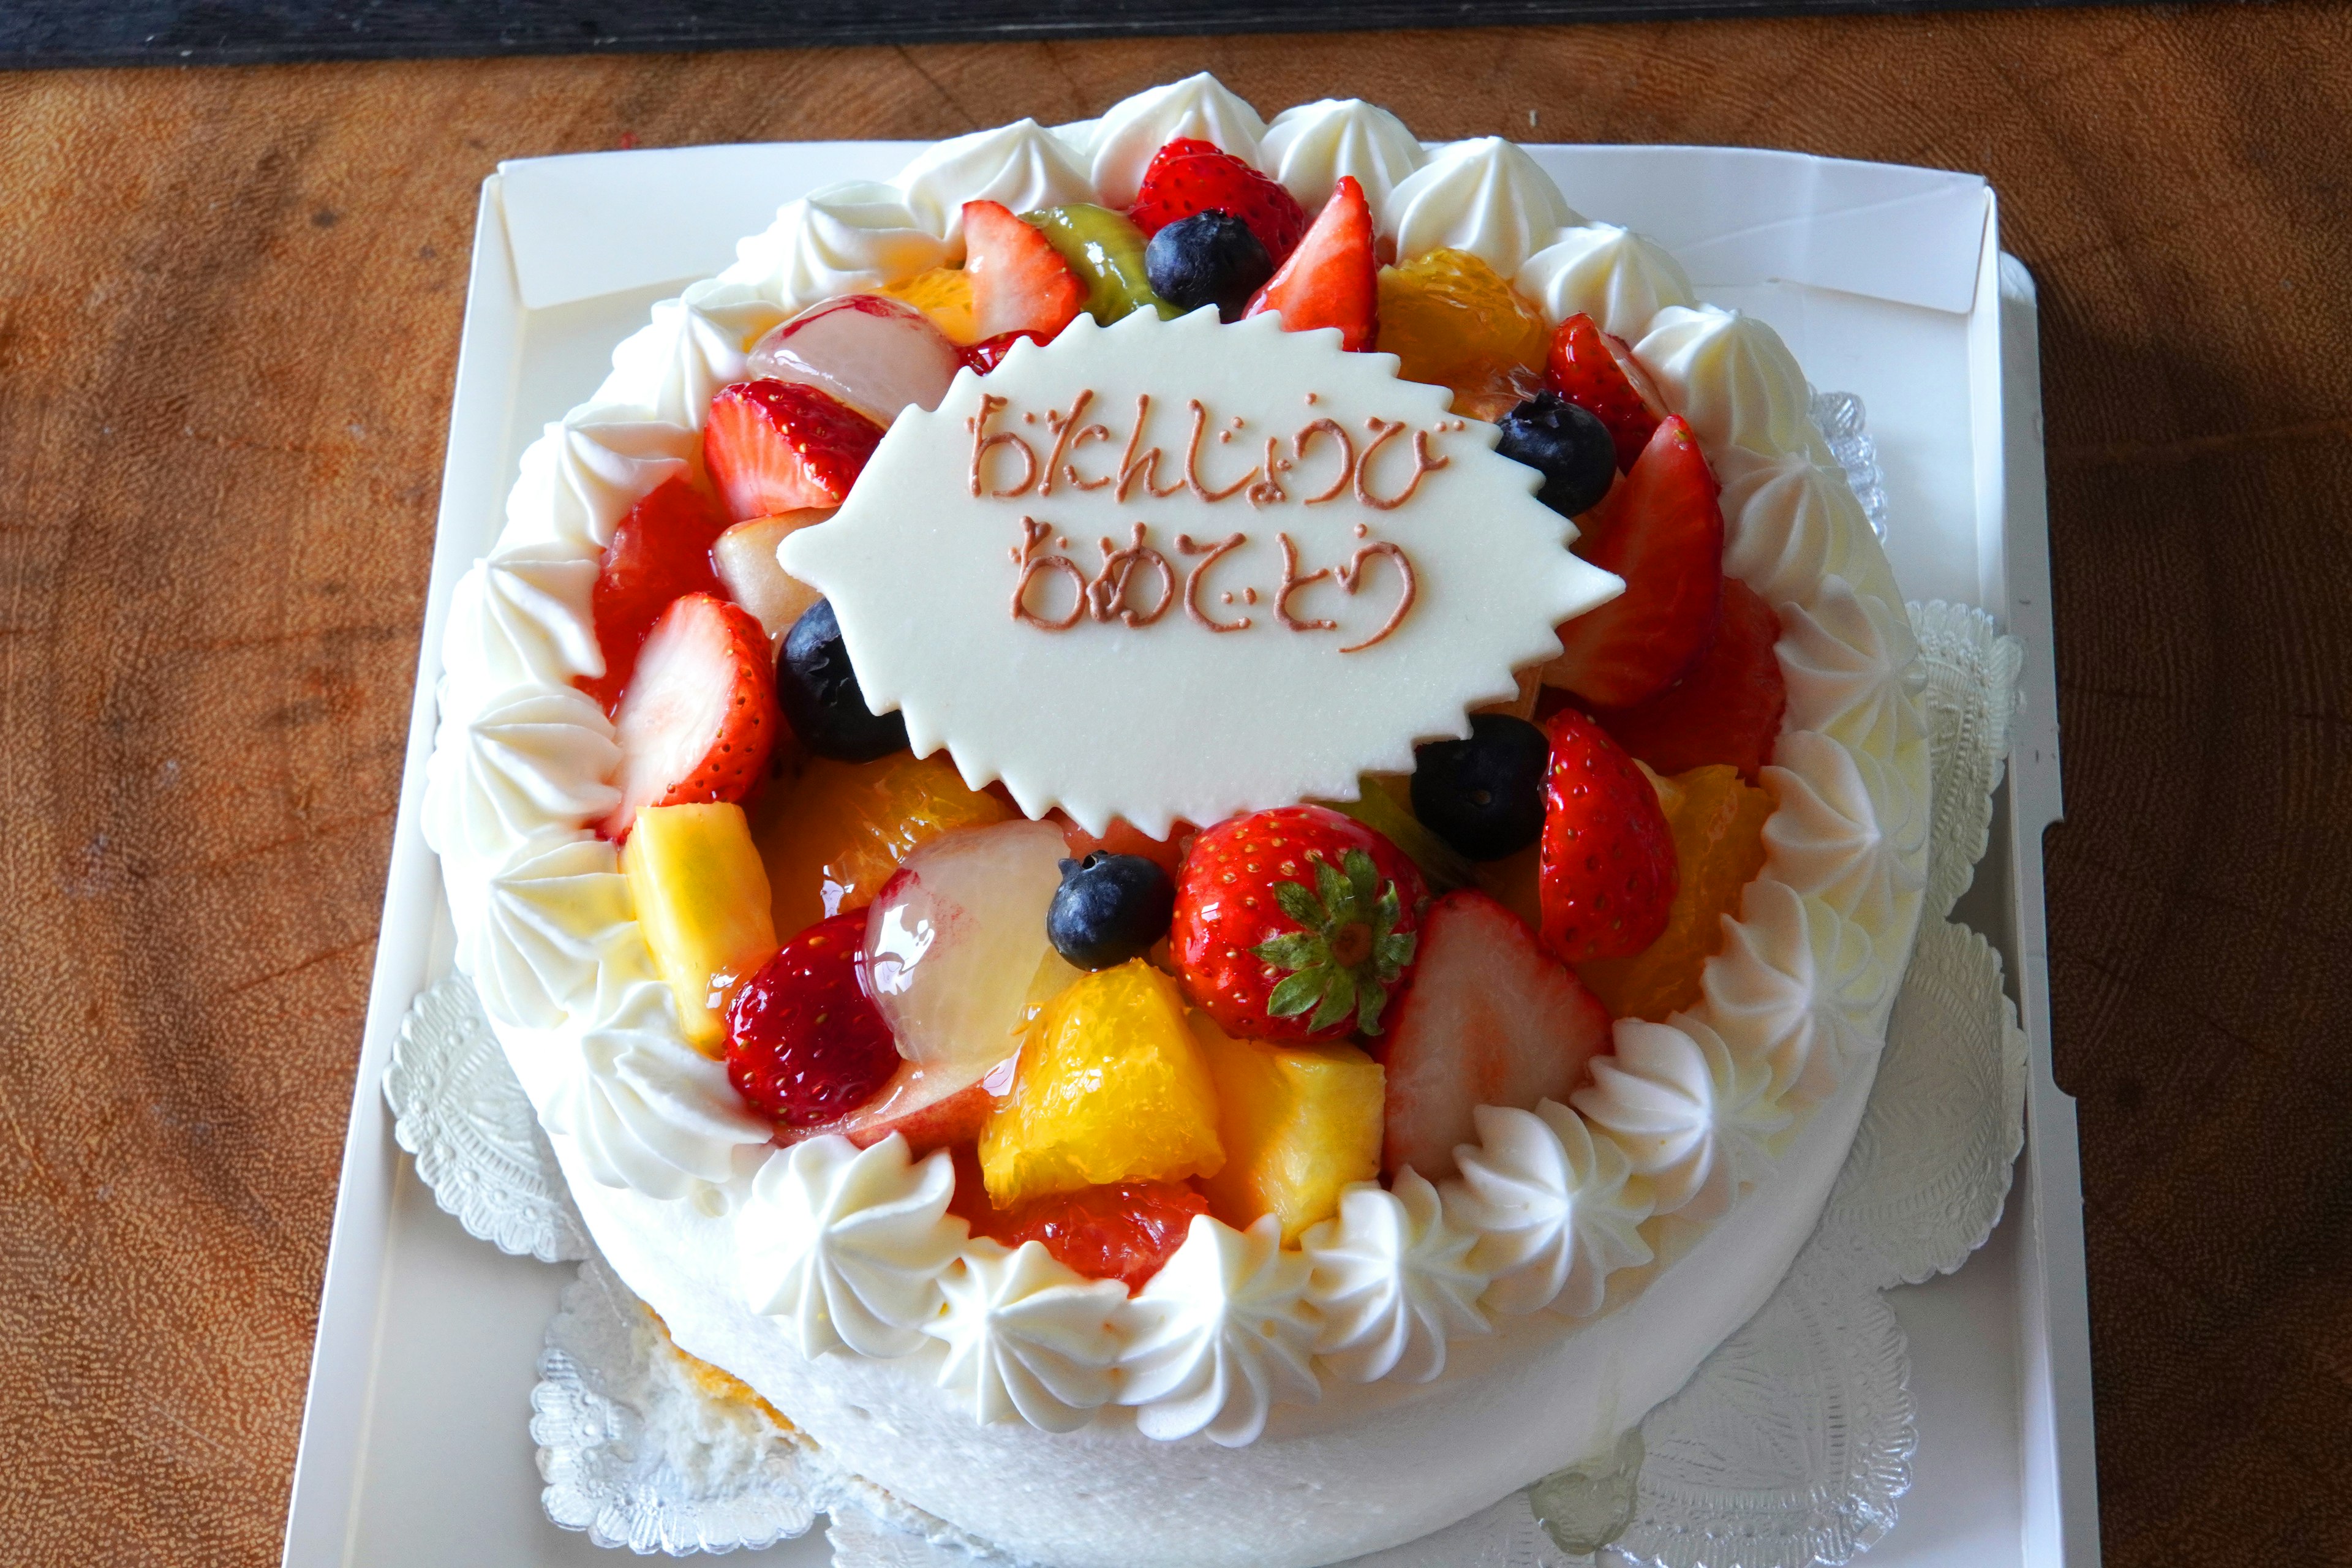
[(1106, 251)]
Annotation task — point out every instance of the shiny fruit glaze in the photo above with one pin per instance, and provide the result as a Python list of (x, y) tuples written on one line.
[(804, 1042)]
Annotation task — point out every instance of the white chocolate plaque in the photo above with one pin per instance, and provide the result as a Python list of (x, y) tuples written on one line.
[(1167, 570)]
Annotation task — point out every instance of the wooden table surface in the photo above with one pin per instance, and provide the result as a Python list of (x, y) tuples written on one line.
[(229, 306)]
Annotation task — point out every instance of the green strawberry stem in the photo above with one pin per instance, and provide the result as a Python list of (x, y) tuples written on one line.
[(1348, 952)]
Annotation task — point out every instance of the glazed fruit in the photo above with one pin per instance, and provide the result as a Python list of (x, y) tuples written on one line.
[(1111, 1086), (1120, 836), (660, 549), (1452, 320), (1299, 1124), (989, 352), (817, 687), (832, 840), (873, 354), (1588, 368), (1188, 177), (1484, 795), (1717, 823), (1567, 445), (1727, 708), (1332, 280), (1124, 1231), (943, 294), (701, 898), (1492, 1019), (1295, 923), (804, 1043), (1662, 530), (1109, 908), (1019, 281), (1106, 250), (745, 556), (781, 446), (1209, 258), (1384, 803), (1606, 879), (699, 715)]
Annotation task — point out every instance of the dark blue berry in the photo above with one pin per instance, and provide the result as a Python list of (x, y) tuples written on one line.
[(1484, 795), (1109, 908), (818, 691), (1209, 258), (1567, 445)]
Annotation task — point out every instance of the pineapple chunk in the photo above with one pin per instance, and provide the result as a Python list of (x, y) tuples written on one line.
[(1110, 1086), (1298, 1123), (702, 898)]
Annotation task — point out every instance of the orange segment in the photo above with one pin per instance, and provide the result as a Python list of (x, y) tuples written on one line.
[(1717, 821), (944, 294), (1452, 320), (832, 839)]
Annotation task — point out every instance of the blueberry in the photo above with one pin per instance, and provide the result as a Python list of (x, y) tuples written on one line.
[(1484, 795), (1567, 445), (1209, 258), (818, 691), (1109, 908)]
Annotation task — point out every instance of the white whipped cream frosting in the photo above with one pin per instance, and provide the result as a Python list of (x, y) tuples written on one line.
[(1120, 145), (671, 367), (1788, 520), (1619, 278), (540, 757), (860, 234), (1556, 1210), (1309, 147), (1027, 1338), (522, 618), (583, 474), (1853, 669), (549, 917), (1486, 197), (1221, 1335), (1023, 165), (1845, 828), (1693, 1118), (1392, 1277), (1732, 377)]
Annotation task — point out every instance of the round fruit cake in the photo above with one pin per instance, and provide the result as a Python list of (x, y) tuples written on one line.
[(1196, 831)]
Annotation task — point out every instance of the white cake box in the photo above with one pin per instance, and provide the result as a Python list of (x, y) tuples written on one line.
[(1886, 282)]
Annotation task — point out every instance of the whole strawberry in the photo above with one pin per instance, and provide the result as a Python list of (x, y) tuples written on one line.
[(1295, 924), (1606, 874), (1189, 175)]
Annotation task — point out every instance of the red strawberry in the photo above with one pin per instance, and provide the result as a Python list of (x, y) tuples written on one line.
[(1295, 923), (1661, 529), (699, 715), (660, 549), (989, 352), (1019, 281), (804, 1041), (1190, 176), (784, 445), (1605, 873), (1725, 709), (1123, 1232), (1491, 1019), (1588, 368), (1331, 280)]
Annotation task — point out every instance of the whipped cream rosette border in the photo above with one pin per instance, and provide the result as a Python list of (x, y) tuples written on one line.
[(1566, 1208)]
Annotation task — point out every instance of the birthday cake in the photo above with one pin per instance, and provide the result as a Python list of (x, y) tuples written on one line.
[(1196, 832)]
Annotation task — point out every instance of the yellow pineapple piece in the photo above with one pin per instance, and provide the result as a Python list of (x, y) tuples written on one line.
[(1717, 821), (1297, 1122), (1452, 321), (944, 294), (702, 901), (832, 839), (1110, 1086)]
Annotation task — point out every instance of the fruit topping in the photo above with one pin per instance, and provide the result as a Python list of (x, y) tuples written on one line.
[(1299, 1124), (1567, 445), (746, 558), (1662, 530), (833, 839), (1382, 803), (1019, 281), (1516, 882), (1121, 836), (781, 446), (989, 352), (1295, 923), (944, 294), (661, 548), (818, 688), (1606, 880), (700, 714), (1209, 258), (1453, 322), (1718, 824), (1189, 176), (701, 898), (1332, 280), (1124, 1231), (1111, 1086), (1109, 908), (875, 355), (1727, 708), (1492, 1019), (1106, 250), (956, 946), (1484, 795), (804, 1043), (1588, 368)]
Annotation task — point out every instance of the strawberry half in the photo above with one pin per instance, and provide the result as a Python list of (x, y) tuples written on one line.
[(1492, 1019), (782, 446), (1019, 281), (1661, 529), (660, 549), (1586, 367), (1605, 871), (1331, 280), (1725, 709), (700, 716), (1190, 176)]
